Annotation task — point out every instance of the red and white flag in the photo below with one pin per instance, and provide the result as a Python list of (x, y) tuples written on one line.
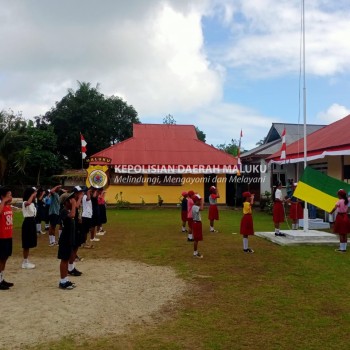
[(83, 146), (284, 146)]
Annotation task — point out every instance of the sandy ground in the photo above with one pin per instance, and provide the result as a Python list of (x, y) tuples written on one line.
[(109, 297)]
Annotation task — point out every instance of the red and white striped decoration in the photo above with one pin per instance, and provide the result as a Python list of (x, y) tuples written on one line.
[(284, 146), (83, 146)]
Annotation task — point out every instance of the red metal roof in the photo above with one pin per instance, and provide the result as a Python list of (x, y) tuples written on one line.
[(331, 138), (162, 144)]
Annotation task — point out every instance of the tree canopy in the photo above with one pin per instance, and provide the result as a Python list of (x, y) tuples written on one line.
[(101, 120)]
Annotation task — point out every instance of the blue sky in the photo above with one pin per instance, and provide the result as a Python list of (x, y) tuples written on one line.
[(222, 65)]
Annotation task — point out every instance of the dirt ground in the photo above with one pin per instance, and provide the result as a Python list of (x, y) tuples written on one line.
[(109, 297)]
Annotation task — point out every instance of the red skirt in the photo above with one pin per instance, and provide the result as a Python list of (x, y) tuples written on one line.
[(278, 212), (342, 224), (184, 215), (197, 231), (296, 211), (190, 223), (247, 225), (213, 212)]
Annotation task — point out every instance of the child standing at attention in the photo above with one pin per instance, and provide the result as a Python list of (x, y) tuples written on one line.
[(189, 215), (278, 210), (342, 224), (184, 211), (197, 224), (66, 240), (29, 235), (247, 228), (213, 208), (5, 233)]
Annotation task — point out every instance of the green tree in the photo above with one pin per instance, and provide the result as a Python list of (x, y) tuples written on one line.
[(102, 121), (169, 119), (200, 134), (12, 127), (231, 148)]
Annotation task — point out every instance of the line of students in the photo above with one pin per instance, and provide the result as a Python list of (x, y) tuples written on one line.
[(192, 203), (79, 212)]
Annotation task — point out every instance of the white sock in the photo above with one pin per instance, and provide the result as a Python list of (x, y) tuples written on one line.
[(344, 246), (52, 239), (293, 226), (190, 236), (195, 252), (59, 233), (25, 261), (245, 243), (277, 230), (38, 227), (1, 276), (70, 267), (211, 228)]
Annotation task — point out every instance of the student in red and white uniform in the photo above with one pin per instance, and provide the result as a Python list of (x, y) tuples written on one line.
[(296, 210), (197, 224), (213, 208), (6, 226), (247, 228), (342, 224), (278, 210), (190, 203)]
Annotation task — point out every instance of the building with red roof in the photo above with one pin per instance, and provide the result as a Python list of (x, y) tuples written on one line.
[(328, 149), (162, 161)]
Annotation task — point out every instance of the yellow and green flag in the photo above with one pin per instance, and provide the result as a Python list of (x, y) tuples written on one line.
[(319, 189)]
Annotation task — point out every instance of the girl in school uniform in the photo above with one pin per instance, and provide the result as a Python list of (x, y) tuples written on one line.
[(247, 228), (213, 208), (296, 210), (278, 210), (190, 203), (29, 235), (184, 211), (197, 224), (342, 224)]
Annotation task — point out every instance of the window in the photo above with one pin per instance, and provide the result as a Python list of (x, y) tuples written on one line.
[(279, 177)]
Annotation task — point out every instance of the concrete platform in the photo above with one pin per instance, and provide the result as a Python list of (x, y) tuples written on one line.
[(299, 237), (315, 224)]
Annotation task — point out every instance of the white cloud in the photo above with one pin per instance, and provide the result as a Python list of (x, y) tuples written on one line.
[(333, 113), (223, 122), (266, 41), (150, 52)]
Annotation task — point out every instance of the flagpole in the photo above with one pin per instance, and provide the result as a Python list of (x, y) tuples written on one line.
[(239, 163), (306, 211)]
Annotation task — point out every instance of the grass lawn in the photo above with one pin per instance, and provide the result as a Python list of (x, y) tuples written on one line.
[(277, 298)]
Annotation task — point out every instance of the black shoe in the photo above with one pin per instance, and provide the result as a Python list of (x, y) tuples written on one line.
[(75, 272), (66, 285), (190, 239), (3, 286), (340, 251), (7, 284), (248, 250), (280, 234)]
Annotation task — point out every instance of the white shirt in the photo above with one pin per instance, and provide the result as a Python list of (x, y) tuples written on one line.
[(278, 194), (28, 211), (87, 207)]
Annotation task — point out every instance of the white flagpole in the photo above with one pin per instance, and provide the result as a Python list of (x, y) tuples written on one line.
[(306, 211)]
